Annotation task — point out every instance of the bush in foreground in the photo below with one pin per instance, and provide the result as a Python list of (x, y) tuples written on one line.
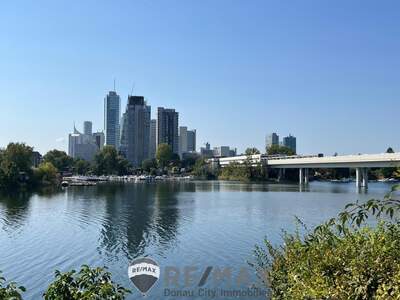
[(344, 258), (87, 284), (10, 291)]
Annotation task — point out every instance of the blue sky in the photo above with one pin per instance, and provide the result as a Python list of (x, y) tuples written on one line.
[(327, 72)]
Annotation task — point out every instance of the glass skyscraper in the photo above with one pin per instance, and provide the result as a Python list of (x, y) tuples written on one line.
[(112, 113)]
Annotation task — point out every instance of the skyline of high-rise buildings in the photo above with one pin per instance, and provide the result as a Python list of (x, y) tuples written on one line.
[(136, 136)]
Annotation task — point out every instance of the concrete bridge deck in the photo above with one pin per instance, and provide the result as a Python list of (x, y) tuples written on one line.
[(360, 162)]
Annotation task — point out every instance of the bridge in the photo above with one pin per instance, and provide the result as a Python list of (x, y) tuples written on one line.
[(360, 162)]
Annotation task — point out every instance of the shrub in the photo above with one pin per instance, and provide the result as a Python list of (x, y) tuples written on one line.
[(344, 258), (87, 284), (10, 291)]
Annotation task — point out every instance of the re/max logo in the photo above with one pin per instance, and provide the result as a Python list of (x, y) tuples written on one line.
[(189, 276)]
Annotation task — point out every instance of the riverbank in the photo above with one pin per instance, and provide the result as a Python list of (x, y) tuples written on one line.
[(93, 180)]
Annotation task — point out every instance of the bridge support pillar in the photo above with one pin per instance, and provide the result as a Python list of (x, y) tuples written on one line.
[(362, 177), (281, 174), (303, 176), (364, 182), (306, 176), (358, 177)]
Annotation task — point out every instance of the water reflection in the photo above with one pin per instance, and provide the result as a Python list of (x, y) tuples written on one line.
[(135, 218), (15, 208)]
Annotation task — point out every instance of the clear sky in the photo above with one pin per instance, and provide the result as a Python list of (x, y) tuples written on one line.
[(327, 72)]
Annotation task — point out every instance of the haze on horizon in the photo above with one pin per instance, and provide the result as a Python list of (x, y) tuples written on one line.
[(326, 72)]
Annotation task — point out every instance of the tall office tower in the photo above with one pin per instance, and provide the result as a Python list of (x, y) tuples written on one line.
[(112, 108), (167, 128), (135, 134), (272, 139), (191, 140), (99, 139), (87, 127), (153, 138), (290, 142), (183, 139)]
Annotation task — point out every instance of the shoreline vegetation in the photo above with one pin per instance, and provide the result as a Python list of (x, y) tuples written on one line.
[(18, 172), (347, 257)]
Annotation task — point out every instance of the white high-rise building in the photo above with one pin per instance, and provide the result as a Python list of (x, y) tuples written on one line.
[(183, 139), (112, 113), (187, 140), (84, 146)]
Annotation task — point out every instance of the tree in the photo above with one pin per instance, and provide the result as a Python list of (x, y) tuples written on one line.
[(175, 160), (188, 162), (59, 159), (81, 166), (15, 165), (202, 169), (278, 149), (108, 162), (390, 150), (252, 151), (163, 155), (149, 164), (46, 174), (87, 284)]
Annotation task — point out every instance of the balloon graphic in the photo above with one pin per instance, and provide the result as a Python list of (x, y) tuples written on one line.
[(143, 272)]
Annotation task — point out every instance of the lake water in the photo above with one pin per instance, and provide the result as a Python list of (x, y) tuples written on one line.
[(184, 226)]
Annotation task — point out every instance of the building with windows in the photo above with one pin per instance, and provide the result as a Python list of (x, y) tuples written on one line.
[(112, 108), (187, 140), (167, 128), (191, 140), (87, 127), (206, 151), (290, 142), (99, 139), (153, 138), (135, 134), (183, 140), (271, 139), (81, 145), (224, 151)]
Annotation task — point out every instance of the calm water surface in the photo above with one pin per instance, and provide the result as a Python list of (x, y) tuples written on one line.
[(195, 224)]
